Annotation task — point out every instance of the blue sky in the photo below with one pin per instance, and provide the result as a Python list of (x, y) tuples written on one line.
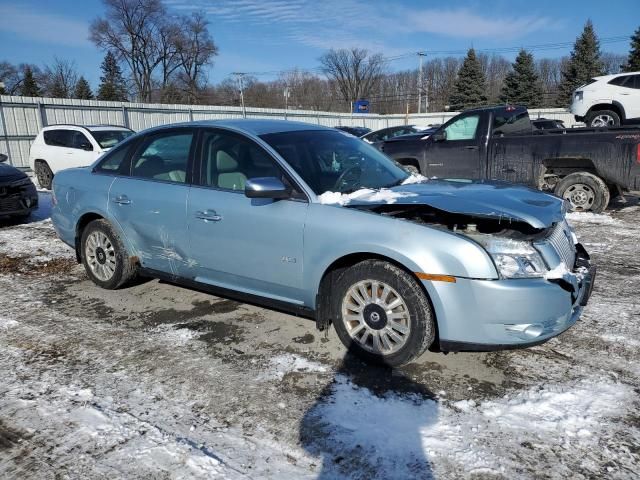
[(274, 35)]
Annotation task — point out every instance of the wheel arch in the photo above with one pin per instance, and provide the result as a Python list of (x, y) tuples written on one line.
[(81, 224), (413, 161), (614, 105), (335, 268)]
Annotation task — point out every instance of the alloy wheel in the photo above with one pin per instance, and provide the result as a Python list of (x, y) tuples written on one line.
[(376, 317), (101, 256)]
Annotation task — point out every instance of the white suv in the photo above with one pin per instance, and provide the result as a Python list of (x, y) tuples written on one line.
[(65, 146), (608, 101)]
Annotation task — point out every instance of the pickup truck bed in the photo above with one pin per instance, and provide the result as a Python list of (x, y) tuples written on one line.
[(582, 165)]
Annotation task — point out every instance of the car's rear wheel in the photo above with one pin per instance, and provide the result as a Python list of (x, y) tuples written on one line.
[(104, 256), (603, 118), (43, 174), (584, 191), (382, 314)]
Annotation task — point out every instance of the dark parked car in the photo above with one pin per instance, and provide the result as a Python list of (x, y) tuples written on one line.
[(18, 195), (357, 131), (377, 137), (581, 165), (547, 123)]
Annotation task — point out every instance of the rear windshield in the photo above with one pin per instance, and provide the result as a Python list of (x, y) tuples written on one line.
[(108, 138)]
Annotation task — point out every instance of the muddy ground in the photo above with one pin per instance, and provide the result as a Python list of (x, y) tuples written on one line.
[(158, 381)]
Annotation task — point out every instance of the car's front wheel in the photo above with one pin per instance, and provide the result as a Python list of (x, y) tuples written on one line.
[(104, 256), (382, 314)]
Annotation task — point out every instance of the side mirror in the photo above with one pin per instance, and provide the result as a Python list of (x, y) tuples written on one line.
[(439, 136), (86, 146), (3, 157), (266, 187)]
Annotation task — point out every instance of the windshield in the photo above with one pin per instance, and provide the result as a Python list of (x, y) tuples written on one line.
[(108, 138), (334, 161)]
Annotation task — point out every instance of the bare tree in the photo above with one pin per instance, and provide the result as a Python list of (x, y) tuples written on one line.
[(355, 71), (133, 30), (60, 78), (613, 62), (195, 50)]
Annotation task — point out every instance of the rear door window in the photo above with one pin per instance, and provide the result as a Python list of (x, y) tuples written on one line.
[(163, 157), (621, 81), (59, 138)]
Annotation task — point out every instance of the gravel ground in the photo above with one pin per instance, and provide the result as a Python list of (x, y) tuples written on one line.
[(157, 381)]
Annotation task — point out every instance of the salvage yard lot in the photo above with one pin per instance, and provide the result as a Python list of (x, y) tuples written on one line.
[(157, 381)]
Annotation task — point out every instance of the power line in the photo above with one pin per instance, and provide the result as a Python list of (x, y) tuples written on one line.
[(512, 49)]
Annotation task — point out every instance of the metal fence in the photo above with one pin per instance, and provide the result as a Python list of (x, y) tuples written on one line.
[(21, 118)]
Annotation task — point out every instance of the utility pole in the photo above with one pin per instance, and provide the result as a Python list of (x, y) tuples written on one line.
[(420, 55), (286, 101), (240, 79)]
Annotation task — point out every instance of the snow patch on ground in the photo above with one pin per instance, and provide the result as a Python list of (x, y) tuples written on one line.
[(588, 217), (177, 336), (409, 434), (280, 365), (384, 195), (7, 323)]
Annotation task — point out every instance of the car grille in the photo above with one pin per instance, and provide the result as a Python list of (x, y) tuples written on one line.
[(10, 204), (561, 240)]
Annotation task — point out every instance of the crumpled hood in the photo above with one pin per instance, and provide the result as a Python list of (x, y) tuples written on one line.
[(489, 199), (10, 174)]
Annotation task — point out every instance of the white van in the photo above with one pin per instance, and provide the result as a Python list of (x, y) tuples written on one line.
[(65, 146)]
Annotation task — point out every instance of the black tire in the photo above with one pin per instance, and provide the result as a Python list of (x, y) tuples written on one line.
[(421, 322), (43, 174), (124, 269), (585, 191), (602, 118)]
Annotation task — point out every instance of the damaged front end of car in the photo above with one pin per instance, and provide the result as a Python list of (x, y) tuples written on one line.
[(544, 276)]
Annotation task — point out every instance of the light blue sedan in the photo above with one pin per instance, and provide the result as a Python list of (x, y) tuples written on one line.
[(313, 221)]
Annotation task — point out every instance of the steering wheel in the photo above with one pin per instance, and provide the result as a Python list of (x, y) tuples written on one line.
[(344, 175)]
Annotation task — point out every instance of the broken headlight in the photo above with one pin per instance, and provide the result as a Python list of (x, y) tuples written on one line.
[(513, 258)]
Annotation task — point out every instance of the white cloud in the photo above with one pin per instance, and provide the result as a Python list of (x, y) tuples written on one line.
[(44, 27), (467, 24)]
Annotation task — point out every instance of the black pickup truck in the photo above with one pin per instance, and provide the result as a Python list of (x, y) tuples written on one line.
[(583, 165)]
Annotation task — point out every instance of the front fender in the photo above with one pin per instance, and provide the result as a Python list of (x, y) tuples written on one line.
[(417, 247)]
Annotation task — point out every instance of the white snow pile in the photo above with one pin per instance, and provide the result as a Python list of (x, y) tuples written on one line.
[(176, 336), (384, 195), (414, 178), (595, 218), (280, 365), (409, 432), (7, 323)]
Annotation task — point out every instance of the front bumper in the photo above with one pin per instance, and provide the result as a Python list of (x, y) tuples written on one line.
[(487, 315), (20, 200)]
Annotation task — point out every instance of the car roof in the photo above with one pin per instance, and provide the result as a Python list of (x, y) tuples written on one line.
[(91, 128), (614, 75), (251, 126)]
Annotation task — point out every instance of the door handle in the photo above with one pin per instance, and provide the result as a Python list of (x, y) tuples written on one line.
[(472, 147), (122, 200), (508, 170), (208, 216), (435, 165)]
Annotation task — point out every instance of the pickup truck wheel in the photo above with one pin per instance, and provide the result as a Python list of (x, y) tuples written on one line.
[(411, 169), (104, 257), (585, 192), (382, 313), (43, 174), (603, 118)]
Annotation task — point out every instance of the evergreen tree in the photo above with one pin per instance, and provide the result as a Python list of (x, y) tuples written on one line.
[(522, 85), (29, 87), (633, 63), (470, 89), (583, 64), (112, 85), (82, 90)]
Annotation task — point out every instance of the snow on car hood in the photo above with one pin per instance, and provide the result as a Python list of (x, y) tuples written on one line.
[(489, 199)]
